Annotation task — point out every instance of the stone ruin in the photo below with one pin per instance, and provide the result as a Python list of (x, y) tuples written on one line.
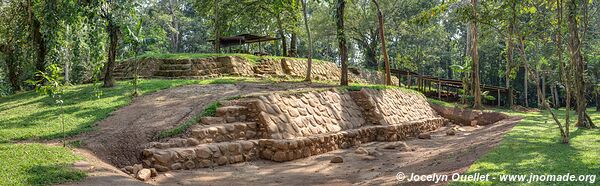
[(238, 66), (284, 126)]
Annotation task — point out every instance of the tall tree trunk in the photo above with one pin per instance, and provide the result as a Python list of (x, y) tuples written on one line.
[(38, 40), (564, 132), (475, 56), (509, 52), (543, 87), (554, 92), (293, 45), (388, 78), (310, 45), (175, 35), (526, 72), (537, 88), (597, 100), (12, 66), (564, 73), (113, 38), (281, 35), (578, 63), (217, 27), (341, 4)]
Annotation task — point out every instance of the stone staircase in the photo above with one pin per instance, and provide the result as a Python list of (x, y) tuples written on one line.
[(264, 69), (174, 69), (281, 128), (121, 71)]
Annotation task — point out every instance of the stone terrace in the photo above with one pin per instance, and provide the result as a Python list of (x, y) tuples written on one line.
[(288, 126), (238, 66)]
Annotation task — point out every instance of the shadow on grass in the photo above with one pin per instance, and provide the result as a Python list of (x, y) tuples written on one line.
[(52, 174)]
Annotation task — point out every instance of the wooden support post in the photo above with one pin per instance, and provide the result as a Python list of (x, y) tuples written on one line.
[(399, 79), (409, 81), (498, 98), (439, 90)]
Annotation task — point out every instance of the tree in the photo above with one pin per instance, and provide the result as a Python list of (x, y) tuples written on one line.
[(310, 45), (341, 4), (578, 63), (37, 37), (388, 78), (475, 57), (510, 50), (113, 30), (10, 36), (217, 26)]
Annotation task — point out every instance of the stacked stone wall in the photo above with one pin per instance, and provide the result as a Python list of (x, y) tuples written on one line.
[(289, 126), (290, 116), (238, 66), (221, 66)]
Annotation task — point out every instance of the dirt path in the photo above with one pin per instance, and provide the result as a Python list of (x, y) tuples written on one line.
[(442, 155), (119, 139)]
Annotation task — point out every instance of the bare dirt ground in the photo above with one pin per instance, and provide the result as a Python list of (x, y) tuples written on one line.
[(120, 138)]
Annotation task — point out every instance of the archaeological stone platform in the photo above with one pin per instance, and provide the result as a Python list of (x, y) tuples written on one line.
[(238, 66), (286, 126)]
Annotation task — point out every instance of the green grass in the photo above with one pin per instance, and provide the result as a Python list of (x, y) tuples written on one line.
[(533, 147), (210, 110), (36, 164), (442, 103)]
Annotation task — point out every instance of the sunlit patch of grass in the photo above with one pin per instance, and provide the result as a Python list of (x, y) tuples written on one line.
[(37, 164), (534, 147)]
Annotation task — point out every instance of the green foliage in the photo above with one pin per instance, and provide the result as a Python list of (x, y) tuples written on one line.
[(37, 164), (51, 83), (211, 109)]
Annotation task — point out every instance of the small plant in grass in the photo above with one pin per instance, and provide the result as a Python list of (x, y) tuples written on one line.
[(136, 39), (51, 84), (211, 109)]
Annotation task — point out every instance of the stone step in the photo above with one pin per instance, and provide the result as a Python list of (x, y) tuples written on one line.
[(233, 113), (173, 73), (201, 156), (176, 61), (175, 67), (224, 132), (212, 120), (180, 156), (281, 150)]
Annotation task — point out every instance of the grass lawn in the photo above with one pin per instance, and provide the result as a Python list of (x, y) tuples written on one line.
[(36, 164), (29, 116), (533, 147)]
